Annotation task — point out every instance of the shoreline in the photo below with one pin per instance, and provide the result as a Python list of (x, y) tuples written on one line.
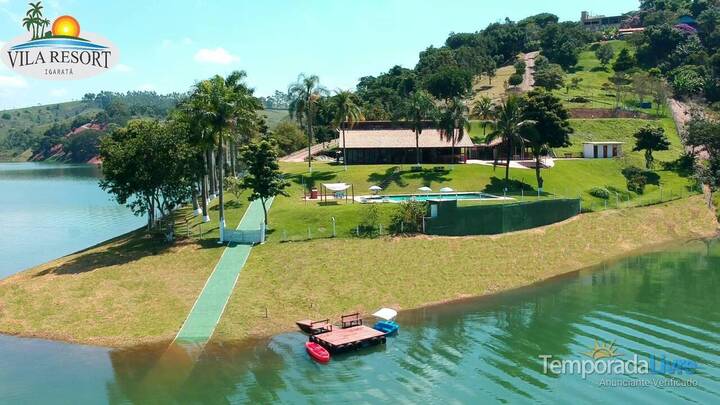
[(467, 300), (471, 299), (257, 329)]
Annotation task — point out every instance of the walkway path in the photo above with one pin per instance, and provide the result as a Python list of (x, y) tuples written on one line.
[(210, 305), (301, 155), (528, 78)]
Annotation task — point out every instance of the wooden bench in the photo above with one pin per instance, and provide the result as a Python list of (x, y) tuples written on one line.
[(350, 320)]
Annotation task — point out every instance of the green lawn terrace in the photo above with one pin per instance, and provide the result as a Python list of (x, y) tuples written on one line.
[(294, 218), (594, 76)]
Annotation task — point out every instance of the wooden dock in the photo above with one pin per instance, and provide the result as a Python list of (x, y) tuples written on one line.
[(349, 338)]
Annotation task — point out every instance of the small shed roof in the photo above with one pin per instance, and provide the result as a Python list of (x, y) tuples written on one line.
[(603, 143), (399, 138)]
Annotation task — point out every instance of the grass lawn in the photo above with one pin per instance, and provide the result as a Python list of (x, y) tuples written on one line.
[(593, 77), (291, 216), (495, 89), (133, 289), (325, 278), (620, 129)]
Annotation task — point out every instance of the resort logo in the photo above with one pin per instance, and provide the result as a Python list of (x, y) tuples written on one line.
[(57, 50), (604, 360)]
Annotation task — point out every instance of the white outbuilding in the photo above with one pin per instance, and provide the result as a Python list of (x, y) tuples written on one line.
[(602, 149)]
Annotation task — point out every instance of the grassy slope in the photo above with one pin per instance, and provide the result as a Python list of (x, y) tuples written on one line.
[(613, 129), (291, 216), (325, 278), (38, 119), (130, 290), (495, 90), (593, 77)]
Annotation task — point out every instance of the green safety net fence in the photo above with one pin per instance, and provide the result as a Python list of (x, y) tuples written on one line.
[(452, 220)]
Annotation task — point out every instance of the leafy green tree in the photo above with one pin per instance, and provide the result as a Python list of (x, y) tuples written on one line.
[(149, 167), (419, 108), (687, 80), (515, 80), (346, 112), (263, 176), (449, 83), (305, 95), (483, 110), (289, 137), (650, 139), (550, 77), (561, 43), (547, 126), (624, 61), (605, 53), (83, 146)]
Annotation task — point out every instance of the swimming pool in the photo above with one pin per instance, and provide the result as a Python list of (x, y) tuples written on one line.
[(428, 197)]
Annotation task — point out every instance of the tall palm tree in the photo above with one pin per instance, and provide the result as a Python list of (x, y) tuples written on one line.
[(346, 112), (35, 14), (420, 108), (29, 24), (191, 111), (304, 95), (483, 109), (43, 23), (453, 122), (509, 120), (227, 105)]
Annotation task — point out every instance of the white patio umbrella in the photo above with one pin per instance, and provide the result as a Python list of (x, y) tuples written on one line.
[(375, 189), (425, 189), (446, 190)]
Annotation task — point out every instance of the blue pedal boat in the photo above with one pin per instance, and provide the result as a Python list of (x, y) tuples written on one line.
[(386, 325)]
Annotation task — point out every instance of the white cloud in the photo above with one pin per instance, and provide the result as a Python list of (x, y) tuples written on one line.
[(217, 56), (12, 82), (122, 68), (58, 93)]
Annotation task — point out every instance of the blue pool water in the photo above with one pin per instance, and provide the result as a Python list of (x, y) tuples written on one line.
[(432, 196)]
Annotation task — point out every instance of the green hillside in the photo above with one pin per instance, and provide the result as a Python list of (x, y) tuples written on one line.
[(21, 126)]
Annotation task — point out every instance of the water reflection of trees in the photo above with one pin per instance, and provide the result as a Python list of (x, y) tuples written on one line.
[(491, 344)]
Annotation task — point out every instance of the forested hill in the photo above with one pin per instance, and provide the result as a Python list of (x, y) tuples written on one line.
[(41, 132)]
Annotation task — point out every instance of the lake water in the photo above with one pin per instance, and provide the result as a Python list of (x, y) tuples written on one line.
[(663, 304), (49, 210)]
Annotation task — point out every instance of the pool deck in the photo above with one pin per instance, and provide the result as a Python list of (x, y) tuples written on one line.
[(392, 198)]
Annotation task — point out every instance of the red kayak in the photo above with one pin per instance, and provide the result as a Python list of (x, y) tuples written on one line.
[(317, 352)]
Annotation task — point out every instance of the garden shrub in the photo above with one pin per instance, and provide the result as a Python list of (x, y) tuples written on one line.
[(638, 178), (600, 192), (369, 226), (408, 217)]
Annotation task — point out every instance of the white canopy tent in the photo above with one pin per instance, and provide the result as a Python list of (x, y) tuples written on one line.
[(387, 314), (338, 189)]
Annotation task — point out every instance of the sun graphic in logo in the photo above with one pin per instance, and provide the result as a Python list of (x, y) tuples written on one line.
[(602, 351), (66, 26)]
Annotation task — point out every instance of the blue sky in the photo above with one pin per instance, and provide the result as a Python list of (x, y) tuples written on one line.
[(169, 45)]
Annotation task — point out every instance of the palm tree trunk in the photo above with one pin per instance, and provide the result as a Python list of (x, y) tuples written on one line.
[(537, 172), (453, 148), (417, 147), (507, 166), (233, 158), (210, 162), (310, 142), (344, 149), (221, 194), (206, 216)]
